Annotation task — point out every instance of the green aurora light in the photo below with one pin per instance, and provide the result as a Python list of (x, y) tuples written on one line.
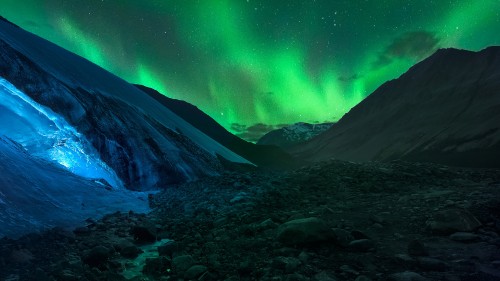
[(255, 61)]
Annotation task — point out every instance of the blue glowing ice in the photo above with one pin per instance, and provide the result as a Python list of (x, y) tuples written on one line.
[(47, 135), (50, 175)]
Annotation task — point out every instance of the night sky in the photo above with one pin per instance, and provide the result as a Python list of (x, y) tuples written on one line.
[(255, 64)]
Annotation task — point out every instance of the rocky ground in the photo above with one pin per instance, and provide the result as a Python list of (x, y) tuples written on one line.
[(331, 221)]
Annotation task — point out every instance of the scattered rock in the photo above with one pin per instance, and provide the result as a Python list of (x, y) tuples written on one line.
[(128, 249), (303, 257), (464, 237), (242, 241), (83, 230), (240, 197), (168, 248), (157, 266), (342, 237), (194, 272), (348, 269), (488, 273), (452, 220), (431, 264), (144, 233), (323, 276), (417, 248), (267, 224), (363, 278), (67, 275), (496, 263), (405, 260), (361, 245), (22, 256), (130, 252), (220, 222), (407, 276), (41, 275), (246, 267), (305, 231), (288, 264), (97, 256), (358, 235), (182, 263), (378, 219), (295, 277)]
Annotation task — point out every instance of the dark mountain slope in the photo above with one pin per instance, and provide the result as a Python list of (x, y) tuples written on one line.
[(445, 109), (267, 156)]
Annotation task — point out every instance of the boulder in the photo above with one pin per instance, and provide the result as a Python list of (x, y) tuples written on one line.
[(182, 263), (97, 256), (464, 237), (156, 267), (144, 233), (361, 245), (407, 276), (452, 220), (305, 231), (194, 272), (417, 248)]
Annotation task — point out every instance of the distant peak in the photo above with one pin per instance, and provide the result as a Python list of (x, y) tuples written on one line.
[(495, 48), (454, 51), (451, 51), (491, 49), (448, 55)]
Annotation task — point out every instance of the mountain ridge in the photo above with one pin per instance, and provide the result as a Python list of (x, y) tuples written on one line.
[(440, 110)]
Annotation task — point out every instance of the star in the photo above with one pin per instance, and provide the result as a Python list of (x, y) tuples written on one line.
[(215, 53)]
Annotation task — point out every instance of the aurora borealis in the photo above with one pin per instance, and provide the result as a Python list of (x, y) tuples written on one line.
[(247, 62)]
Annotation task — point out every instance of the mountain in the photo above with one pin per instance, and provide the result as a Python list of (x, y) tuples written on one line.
[(143, 142), (294, 134), (75, 139), (445, 109), (268, 156)]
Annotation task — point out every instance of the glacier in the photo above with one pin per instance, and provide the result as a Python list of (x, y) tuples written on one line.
[(50, 174), (77, 141), (47, 135)]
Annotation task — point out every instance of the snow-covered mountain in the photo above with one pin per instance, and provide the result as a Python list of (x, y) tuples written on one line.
[(294, 134), (74, 138), (445, 109)]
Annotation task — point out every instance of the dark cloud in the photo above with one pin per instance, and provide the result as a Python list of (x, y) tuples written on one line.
[(255, 132), (411, 45), (349, 78)]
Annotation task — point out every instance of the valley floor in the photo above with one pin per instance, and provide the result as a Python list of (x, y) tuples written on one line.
[(331, 221)]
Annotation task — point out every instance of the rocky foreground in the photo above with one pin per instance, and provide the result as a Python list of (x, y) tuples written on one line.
[(332, 221)]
